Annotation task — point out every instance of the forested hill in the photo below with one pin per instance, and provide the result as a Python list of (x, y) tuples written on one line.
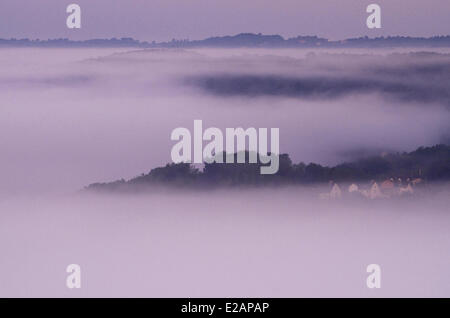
[(428, 163)]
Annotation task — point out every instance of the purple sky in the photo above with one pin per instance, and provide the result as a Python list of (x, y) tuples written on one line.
[(195, 19)]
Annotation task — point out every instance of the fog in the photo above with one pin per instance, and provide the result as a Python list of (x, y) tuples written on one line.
[(71, 117), (254, 243)]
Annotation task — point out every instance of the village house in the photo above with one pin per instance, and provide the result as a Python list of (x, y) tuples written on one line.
[(388, 188)]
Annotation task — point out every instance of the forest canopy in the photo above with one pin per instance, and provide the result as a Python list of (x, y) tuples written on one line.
[(428, 163)]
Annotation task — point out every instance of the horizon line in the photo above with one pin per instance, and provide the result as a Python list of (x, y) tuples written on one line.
[(230, 35)]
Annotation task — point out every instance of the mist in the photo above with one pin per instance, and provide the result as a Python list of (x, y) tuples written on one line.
[(70, 117), (254, 243)]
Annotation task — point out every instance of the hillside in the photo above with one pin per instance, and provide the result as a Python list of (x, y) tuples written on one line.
[(428, 163)]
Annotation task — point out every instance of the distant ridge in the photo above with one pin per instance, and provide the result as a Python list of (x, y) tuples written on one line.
[(242, 40)]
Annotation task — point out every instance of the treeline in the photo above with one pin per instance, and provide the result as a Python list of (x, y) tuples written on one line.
[(241, 40), (428, 163)]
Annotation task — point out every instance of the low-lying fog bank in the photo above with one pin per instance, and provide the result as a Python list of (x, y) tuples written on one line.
[(235, 243)]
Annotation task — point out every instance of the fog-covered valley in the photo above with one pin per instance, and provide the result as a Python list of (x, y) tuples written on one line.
[(254, 243), (71, 117)]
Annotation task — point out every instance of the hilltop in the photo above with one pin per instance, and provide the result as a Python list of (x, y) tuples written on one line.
[(428, 163)]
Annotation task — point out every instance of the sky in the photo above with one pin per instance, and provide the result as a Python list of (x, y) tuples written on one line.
[(163, 20)]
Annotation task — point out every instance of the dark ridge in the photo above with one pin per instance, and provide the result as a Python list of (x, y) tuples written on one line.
[(241, 40), (430, 164), (316, 87)]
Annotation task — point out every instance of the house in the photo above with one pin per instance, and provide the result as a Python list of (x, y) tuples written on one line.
[(353, 188), (387, 184), (336, 192), (406, 190), (387, 187), (375, 192)]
